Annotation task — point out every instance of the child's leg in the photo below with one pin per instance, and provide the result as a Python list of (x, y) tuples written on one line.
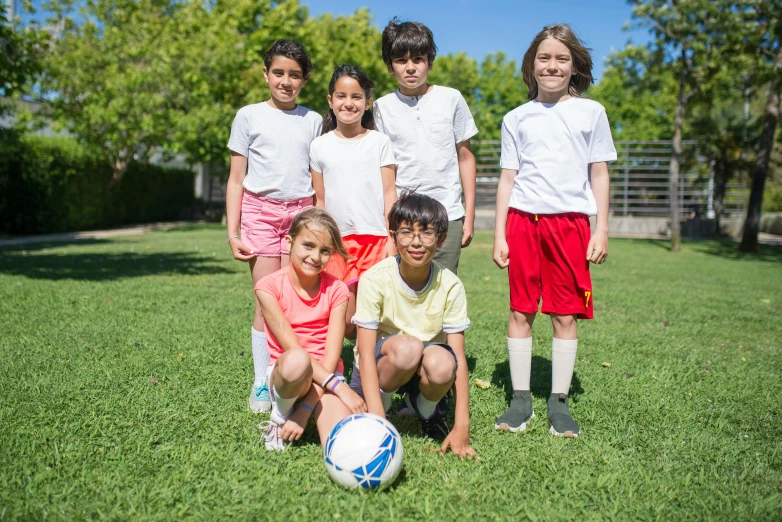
[(328, 412), (563, 352), (260, 399), (290, 380), (350, 328), (437, 374)]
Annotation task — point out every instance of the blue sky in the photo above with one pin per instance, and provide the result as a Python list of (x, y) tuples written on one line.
[(479, 27)]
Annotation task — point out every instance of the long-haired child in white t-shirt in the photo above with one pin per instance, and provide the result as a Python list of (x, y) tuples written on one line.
[(353, 171), (555, 154), (269, 182)]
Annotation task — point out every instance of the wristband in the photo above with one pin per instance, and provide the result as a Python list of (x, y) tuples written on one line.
[(306, 407), (336, 383), (328, 380), (232, 237)]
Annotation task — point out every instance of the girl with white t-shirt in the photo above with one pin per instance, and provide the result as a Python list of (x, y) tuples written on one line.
[(269, 182), (353, 168), (555, 154)]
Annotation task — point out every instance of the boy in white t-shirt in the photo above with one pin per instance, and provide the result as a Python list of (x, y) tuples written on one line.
[(430, 128), (555, 154)]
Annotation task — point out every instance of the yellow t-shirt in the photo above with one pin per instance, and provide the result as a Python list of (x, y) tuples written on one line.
[(386, 304)]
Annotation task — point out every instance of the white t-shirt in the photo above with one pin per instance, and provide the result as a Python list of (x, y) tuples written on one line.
[(276, 144), (551, 146), (352, 181), (424, 131)]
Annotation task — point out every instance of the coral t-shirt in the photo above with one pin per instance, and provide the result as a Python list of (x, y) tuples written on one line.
[(309, 318)]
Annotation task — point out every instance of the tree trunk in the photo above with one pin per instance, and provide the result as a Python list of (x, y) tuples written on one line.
[(749, 240), (673, 170), (721, 175), (118, 168)]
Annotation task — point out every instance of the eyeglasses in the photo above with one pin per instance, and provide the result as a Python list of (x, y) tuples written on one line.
[(405, 237)]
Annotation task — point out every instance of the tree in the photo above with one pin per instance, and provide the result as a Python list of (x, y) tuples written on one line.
[(19, 55), (694, 38), (767, 42)]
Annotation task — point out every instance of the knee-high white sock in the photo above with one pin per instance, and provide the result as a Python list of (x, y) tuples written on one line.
[(260, 356), (387, 398), (563, 361), (281, 406), (520, 359)]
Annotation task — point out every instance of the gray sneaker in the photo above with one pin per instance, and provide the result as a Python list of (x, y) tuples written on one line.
[(518, 415), (562, 424)]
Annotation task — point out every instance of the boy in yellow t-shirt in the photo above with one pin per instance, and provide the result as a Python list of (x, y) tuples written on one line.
[(411, 315)]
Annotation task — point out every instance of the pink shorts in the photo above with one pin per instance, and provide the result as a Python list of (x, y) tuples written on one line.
[(266, 221), (364, 252)]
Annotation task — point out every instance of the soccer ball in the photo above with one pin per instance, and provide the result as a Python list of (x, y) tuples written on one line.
[(363, 451)]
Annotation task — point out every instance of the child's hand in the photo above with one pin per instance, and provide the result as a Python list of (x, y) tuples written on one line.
[(459, 441), (294, 426), (467, 233), (351, 399), (500, 252), (390, 249), (240, 251), (597, 250)]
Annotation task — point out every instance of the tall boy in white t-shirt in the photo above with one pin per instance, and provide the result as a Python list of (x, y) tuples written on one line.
[(430, 127)]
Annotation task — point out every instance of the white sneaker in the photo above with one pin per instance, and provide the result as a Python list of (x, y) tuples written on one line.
[(260, 399), (272, 437)]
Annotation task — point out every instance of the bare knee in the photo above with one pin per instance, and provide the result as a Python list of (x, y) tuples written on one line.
[(520, 324), (406, 352), (565, 326), (294, 366), (439, 365)]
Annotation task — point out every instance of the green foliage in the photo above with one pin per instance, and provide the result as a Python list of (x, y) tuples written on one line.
[(19, 55), (102, 418), (56, 185)]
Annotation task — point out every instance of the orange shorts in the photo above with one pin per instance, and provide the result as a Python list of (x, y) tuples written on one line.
[(364, 252)]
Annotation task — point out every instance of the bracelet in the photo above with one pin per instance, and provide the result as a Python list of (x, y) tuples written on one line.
[(336, 383), (328, 380), (306, 407), (233, 237)]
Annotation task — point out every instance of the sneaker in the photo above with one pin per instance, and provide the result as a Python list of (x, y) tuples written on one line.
[(271, 435), (518, 415), (562, 424), (435, 427), (260, 399), (442, 407)]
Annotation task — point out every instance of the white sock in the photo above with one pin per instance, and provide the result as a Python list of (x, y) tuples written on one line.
[(425, 406), (260, 356), (387, 398), (563, 361), (282, 407), (520, 359)]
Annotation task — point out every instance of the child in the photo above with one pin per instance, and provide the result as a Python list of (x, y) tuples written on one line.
[(304, 316), (411, 316), (430, 128), (269, 182), (352, 169), (554, 176)]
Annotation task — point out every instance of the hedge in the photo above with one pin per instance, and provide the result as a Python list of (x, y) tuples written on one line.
[(53, 184)]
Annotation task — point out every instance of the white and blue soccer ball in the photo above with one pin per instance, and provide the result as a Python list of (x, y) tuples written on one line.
[(363, 451)]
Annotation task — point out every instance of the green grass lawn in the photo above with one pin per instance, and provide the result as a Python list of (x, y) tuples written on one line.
[(127, 366)]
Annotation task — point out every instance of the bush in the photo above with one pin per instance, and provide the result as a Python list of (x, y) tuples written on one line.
[(53, 184)]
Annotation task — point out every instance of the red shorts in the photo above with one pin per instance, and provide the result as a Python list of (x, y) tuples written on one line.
[(364, 252), (547, 258)]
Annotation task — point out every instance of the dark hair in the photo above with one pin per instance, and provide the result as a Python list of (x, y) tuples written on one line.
[(582, 62), (412, 208), (355, 72), (289, 49), (319, 218), (402, 39)]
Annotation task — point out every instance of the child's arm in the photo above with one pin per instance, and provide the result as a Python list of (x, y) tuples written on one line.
[(467, 174), (320, 373), (366, 340), (233, 206), (388, 174), (597, 250), (459, 438), (504, 188), (319, 188)]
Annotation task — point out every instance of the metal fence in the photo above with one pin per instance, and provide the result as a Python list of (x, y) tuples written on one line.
[(639, 180)]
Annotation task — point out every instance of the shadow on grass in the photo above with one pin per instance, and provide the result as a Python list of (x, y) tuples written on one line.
[(22, 261), (540, 382), (729, 249)]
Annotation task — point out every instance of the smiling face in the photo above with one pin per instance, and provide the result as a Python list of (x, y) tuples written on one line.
[(285, 79), (553, 70), (411, 242), (310, 250), (411, 73), (348, 101)]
